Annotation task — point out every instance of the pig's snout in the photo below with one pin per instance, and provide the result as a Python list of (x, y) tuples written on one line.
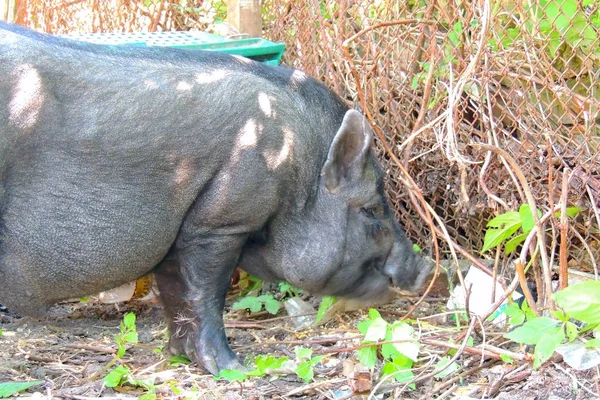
[(406, 269)]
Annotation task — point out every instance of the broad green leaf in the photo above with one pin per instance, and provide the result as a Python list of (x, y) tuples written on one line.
[(114, 377), (131, 337), (532, 331), (151, 395), (495, 236), (593, 343), (326, 303), (305, 371), (571, 212), (374, 314), (527, 217), (129, 320), (174, 361), (231, 375), (271, 305), (506, 358), (250, 303), (444, 362), (571, 330), (363, 326), (376, 330), (411, 347), (388, 351), (514, 313), (581, 301), (303, 353), (264, 363), (514, 242), (120, 349), (508, 218), (8, 389), (400, 368), (368, 356), (455, 34), (546, 346)]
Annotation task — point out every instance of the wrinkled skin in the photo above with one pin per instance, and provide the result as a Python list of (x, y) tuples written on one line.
[(117, 162)]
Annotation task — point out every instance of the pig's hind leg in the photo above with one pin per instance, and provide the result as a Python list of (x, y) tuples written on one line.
[(193, 281)]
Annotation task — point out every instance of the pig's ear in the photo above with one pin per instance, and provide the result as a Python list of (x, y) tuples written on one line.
[(348, 152)]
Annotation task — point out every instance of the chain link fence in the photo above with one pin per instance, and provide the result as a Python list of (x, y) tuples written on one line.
[(482, 106), (479, 106)]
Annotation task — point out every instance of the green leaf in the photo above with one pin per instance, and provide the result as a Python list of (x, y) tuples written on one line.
[(571, 330), (416, 248), (326, 303), (506, 358), (231, 375), (546, 346), (571, 212), (131, 337), (514, 313), (532, 331), (444, 362), (120, 349), (411, 347), (305, 371), (248, 303), (495, 236), (455, 34), (363, 326), (514, 242), (271, 305), (151, 395), (507, 218), (174, 361), (129, 320), (303, 353), (400, 368), (8, 389), (264, 363), (114, 377), (368, 356), (581, 301), (374, 314), (376, 331), (527, 217), (593, 343)]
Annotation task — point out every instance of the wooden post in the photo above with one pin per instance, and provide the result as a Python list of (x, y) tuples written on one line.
[(7, 10), (245, 16)]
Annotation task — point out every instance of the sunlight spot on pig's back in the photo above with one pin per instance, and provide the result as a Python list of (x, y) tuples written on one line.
[(27, 98)]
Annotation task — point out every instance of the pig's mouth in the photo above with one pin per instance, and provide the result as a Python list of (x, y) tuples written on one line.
[(371, 285)]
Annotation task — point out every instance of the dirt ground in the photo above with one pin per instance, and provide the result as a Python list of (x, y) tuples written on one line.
[(71, 351)]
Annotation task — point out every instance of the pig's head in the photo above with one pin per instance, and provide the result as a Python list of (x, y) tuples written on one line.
[(344, 240)]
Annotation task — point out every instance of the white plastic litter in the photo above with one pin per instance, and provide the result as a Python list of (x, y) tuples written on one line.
[(480, 299)]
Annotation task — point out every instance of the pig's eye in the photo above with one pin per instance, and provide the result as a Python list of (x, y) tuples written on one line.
[(373, 211)]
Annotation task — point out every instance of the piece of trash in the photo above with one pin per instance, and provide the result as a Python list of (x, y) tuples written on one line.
[(144, 288), (480, 300), (579, 357), (360, 379), (297, 306)]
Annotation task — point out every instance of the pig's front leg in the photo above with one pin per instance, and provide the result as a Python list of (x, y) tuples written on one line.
[(193, 282)]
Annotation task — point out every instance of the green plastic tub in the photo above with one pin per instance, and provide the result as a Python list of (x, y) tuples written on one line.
[(254, 48)]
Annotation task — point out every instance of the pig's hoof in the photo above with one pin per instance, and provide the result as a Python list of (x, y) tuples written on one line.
[(215, 355)]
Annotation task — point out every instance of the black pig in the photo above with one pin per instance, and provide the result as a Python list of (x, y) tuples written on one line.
[(120, 161)]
